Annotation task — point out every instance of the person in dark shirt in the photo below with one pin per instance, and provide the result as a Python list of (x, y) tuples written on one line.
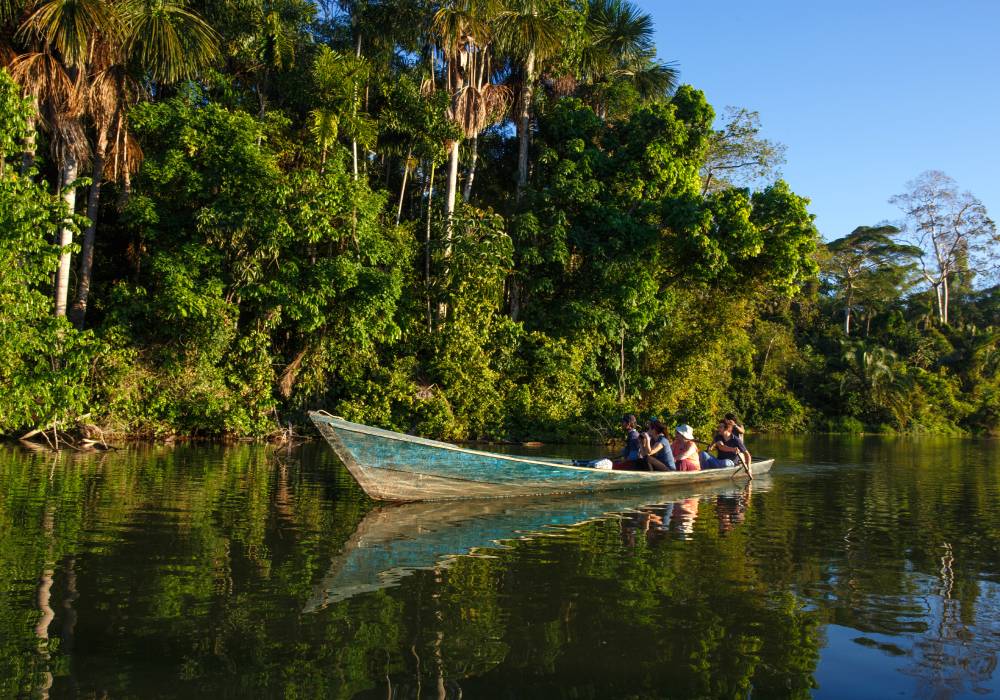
[(631, 449), (737, 428), (729, 444), (724, 459)]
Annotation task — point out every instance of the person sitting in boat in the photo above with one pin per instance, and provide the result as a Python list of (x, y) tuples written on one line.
[(685, 450), (729, 444), (654, 450), (708, 461), (737, 428), (631, 449)]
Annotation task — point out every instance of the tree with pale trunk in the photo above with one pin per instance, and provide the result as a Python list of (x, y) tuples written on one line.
[(462, 30), (953, 231)]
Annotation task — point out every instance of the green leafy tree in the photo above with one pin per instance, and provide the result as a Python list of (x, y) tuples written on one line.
[(738, 155), (866, 265), (44, 365)]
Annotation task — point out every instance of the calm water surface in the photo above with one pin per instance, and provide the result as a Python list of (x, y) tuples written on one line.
[(858, 568)]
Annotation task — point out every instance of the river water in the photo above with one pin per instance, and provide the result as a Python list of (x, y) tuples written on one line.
[(861, 567)]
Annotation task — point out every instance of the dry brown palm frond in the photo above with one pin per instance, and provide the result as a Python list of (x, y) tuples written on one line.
[(44, 78), (102, 99), (475, 109), (7, 55), (426, 87), (124, 156), (498, 99), (560, 85), (70, 138), (103, 55)]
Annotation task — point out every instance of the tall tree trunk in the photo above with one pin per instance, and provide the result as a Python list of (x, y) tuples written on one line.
[(848, 305), (442, 309), (67, 176), (940, 302), (524, 124), (86, 264), (515, 298), (402, 189), (427, 244), (621, 368), (467, 191), (945, 300), (452, 193)]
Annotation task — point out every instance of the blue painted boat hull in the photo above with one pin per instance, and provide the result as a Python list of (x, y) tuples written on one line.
[(392, 466), (393, 541)]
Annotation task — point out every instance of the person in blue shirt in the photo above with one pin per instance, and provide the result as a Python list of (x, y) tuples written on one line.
[(655, 449)]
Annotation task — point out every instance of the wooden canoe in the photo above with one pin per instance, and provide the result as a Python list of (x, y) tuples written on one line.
[(393, 466)]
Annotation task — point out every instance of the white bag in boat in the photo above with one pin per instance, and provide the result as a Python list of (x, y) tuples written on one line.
[(602, 464)]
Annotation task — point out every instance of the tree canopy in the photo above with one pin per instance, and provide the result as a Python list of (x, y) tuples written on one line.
[(502, 219)]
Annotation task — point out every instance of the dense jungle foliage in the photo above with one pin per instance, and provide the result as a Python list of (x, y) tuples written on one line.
[(470, 219)]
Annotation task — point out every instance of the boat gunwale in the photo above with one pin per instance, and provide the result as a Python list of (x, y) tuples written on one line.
[(403, 437)]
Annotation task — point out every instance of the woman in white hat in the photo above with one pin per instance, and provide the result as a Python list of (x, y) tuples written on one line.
[(685, 450)]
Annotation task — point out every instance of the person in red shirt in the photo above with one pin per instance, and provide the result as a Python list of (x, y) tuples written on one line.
[(685, 450)]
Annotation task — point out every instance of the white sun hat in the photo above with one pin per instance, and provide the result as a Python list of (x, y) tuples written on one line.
[(685, 431)]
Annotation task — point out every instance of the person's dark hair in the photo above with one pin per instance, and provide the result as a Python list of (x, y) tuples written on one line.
[(731, 416), (629, 419), (657, 426)]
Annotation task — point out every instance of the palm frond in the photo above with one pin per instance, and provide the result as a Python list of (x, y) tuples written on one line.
[(476, 108), (168, 40), (72, 26), (124, 154), (655, 79), (324, 127), (44, 78), (530, 26), (10, 10)]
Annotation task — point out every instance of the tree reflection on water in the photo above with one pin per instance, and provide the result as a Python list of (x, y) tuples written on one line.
[(189, 572)]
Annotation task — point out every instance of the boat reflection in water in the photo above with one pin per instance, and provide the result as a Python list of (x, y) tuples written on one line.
[(393, 541)]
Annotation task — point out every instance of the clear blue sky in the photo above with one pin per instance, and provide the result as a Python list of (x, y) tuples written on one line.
[(866, 95)]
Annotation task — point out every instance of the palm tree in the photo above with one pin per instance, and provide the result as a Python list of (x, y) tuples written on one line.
[(531, 31), (463, 30), (324, 130), (876, 373), (57, 96), (861, 258), (618, 45), (78, 64), (162, 41), (337, 78), (61, 35)]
